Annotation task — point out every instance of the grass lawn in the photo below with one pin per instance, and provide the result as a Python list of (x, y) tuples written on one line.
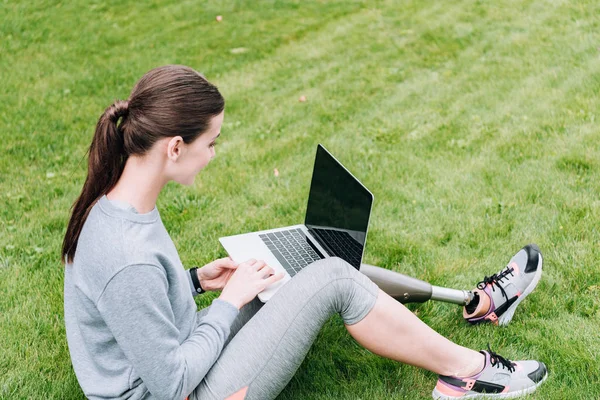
[(472, 122)]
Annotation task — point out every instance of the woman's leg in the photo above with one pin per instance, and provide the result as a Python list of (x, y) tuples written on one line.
[(264, 355), (384, 329), (388, 328), (246, 313)]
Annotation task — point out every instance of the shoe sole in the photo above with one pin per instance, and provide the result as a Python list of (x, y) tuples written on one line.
[(523, 392), (505, 318)]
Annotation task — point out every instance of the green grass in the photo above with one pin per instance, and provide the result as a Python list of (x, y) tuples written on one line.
[(472, 122)]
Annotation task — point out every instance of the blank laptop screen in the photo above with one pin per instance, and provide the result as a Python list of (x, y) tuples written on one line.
[(338, 209)]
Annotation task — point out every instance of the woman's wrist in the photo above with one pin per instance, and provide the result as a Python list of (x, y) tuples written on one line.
[(200, 280)]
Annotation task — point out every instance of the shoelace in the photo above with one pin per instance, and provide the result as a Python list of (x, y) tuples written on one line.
[(496, 359), (496, 279)]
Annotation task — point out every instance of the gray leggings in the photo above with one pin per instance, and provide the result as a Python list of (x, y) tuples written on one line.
[(268, 342)]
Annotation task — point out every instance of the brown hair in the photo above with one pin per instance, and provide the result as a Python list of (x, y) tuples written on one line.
[(168, 101)]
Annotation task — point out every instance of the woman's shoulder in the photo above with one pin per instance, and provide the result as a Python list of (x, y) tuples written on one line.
[(122, 231), (108, 243)]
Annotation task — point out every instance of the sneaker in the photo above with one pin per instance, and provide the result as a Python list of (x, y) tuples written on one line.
[(497, 297), (499, 379)]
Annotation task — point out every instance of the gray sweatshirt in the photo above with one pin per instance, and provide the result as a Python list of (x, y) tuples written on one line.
[(130, 315)]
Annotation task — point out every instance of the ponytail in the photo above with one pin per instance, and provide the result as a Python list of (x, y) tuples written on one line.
[(168, 101), (105, 166)]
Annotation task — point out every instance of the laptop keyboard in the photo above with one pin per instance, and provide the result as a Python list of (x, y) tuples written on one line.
[(342, 244), (291, 248)]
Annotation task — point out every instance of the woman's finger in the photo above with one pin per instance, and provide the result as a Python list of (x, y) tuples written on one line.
[(260, 264), (250, 262), (266, 271), (274, 278), (225, 263), (229, 263)]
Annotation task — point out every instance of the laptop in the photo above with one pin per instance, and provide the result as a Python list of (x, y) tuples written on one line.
[(335, 225)]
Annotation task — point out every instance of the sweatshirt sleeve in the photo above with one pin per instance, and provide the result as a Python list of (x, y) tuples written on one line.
[(141, 319)]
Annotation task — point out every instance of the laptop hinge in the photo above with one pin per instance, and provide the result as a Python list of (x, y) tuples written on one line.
[(319, 239)]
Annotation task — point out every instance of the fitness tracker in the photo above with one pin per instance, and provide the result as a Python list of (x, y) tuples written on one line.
[(196, 281)]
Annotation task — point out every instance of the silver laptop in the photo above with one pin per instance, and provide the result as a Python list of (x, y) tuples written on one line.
[(336, 222)]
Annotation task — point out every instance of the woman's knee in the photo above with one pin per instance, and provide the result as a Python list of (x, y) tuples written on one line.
[(351, 293)]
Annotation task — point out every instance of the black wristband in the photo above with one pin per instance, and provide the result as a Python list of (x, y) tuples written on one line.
[(196, 281)]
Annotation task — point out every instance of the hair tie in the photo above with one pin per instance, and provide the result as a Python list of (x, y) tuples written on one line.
[(118, 109)]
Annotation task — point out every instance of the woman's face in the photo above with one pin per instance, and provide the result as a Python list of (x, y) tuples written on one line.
[(196, 155)]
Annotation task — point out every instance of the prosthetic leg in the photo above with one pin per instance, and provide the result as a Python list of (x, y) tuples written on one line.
[(406, 289), (514, 283)]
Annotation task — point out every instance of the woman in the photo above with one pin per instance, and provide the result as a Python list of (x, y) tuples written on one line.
[(132, 324)]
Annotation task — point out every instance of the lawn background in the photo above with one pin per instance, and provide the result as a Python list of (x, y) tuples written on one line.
[(472, 122)]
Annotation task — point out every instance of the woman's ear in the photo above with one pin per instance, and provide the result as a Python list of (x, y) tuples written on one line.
[(175, 148)]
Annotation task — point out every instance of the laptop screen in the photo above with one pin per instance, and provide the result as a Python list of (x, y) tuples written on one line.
[(338, 209)]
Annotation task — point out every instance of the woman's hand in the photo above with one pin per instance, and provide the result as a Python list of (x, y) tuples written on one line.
[(249, 279), (215, 275)]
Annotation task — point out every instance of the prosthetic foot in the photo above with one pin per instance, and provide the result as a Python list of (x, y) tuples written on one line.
[(496, 297)]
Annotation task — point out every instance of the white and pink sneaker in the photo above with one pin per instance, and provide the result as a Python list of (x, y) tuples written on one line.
[(497, 297), (499, 379)]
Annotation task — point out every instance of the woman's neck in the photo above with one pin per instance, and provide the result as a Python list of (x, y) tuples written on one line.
[(139, 184)]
